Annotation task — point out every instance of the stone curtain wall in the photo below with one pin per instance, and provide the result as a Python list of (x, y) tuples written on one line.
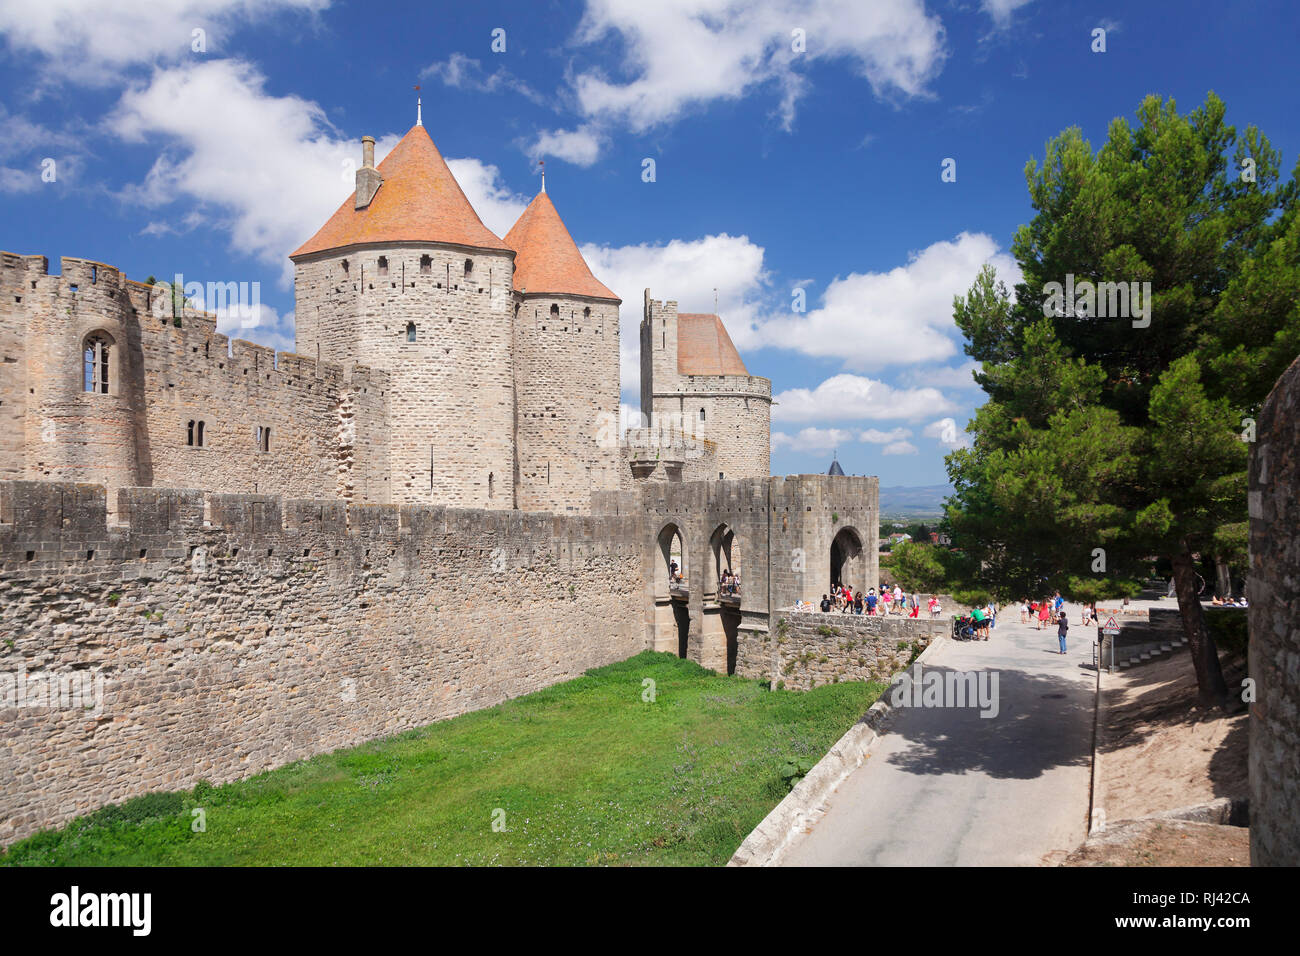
[(236, 633), (328, 427), (812, 648), (1274, 597)]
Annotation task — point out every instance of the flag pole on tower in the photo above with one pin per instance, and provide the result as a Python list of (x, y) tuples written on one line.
[(419, 118)]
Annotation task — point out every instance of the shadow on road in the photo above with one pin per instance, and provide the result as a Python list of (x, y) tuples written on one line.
[(1042, 722)]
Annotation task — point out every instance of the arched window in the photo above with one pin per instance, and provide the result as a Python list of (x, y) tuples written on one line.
[(426, 264), (95, 364), (555, 311), (469, 266), (701, 414), (410, 331), (345, 267), (383, 265), (189, 437), (586, 314), (201, 434)]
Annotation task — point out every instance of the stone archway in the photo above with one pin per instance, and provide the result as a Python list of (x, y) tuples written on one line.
[(720, 627), (672, 619), (848, 563)]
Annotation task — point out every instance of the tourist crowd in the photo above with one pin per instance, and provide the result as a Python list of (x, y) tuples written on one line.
[(845, 600)]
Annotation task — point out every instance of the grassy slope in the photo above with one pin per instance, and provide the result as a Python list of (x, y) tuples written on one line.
[(586, 772)]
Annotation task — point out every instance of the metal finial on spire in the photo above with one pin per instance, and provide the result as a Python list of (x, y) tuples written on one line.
[(419, 116), (715, 301), (542, 163)]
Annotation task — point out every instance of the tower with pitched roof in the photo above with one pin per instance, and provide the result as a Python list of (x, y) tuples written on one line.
[(566, 367), (405, 277), (694, 381)]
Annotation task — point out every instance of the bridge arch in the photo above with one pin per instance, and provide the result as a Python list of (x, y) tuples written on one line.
[(672, 616)]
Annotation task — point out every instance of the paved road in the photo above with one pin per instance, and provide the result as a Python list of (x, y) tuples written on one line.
[(947, 787)]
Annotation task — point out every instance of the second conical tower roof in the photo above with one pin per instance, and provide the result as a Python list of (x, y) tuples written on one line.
[(547, 260)]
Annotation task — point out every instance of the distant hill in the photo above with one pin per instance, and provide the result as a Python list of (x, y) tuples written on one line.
[(919, 501)]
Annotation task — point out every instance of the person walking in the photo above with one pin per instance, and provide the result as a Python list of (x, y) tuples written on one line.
[(1062, 625)]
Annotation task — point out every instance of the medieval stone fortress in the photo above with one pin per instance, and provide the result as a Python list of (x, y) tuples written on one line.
[(426, 510)]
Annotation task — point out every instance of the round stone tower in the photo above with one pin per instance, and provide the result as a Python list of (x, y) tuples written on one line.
[(405, 277), (566, 368)]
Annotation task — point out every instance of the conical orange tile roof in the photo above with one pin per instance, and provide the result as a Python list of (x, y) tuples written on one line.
[(547, 260), (419, 201)]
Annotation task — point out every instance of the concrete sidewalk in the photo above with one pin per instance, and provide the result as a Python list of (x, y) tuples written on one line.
[(947, 787)]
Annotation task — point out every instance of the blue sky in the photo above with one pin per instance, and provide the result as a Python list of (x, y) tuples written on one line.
[(776, 168)]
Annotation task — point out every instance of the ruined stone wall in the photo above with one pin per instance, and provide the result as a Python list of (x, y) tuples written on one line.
[(452, 390), (327, 429), (235, 633), (1274, 596), (813, 649), (567, 397)]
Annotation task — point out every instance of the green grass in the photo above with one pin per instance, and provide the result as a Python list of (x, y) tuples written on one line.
[(586, 772)]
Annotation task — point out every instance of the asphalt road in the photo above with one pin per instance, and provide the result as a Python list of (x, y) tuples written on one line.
[(945, 786)]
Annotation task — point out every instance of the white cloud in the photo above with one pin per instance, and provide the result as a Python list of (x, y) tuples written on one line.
[(580, 146), (847, 397), (92, 41), (691, 52), (812, 439), (19, 180), (269, 170), (943, 376), (1000, 10), (884, 319), (877, 437), (685, 270), (496, 204), (900, 448), (464, 73)]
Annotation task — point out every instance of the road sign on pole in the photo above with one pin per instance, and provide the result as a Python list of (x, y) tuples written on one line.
[(1111, 626)]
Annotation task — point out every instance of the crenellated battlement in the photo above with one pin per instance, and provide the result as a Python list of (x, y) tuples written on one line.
[(45, 525)]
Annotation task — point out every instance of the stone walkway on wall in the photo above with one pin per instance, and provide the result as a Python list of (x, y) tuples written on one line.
[(947, 787)]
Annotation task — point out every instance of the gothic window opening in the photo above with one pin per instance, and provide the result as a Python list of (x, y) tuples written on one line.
[(189, 437), (95, 364), (383, 265), (410, 331), (701, 414), (555, 312), (469, 267), (263, 437), (345, 267), (200, 435), (426, 264)]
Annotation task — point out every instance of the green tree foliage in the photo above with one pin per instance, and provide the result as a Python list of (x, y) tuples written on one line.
[(918, 567), (1109, 441)]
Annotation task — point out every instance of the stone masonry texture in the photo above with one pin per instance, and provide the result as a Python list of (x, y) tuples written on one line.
[(1274, 597)]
